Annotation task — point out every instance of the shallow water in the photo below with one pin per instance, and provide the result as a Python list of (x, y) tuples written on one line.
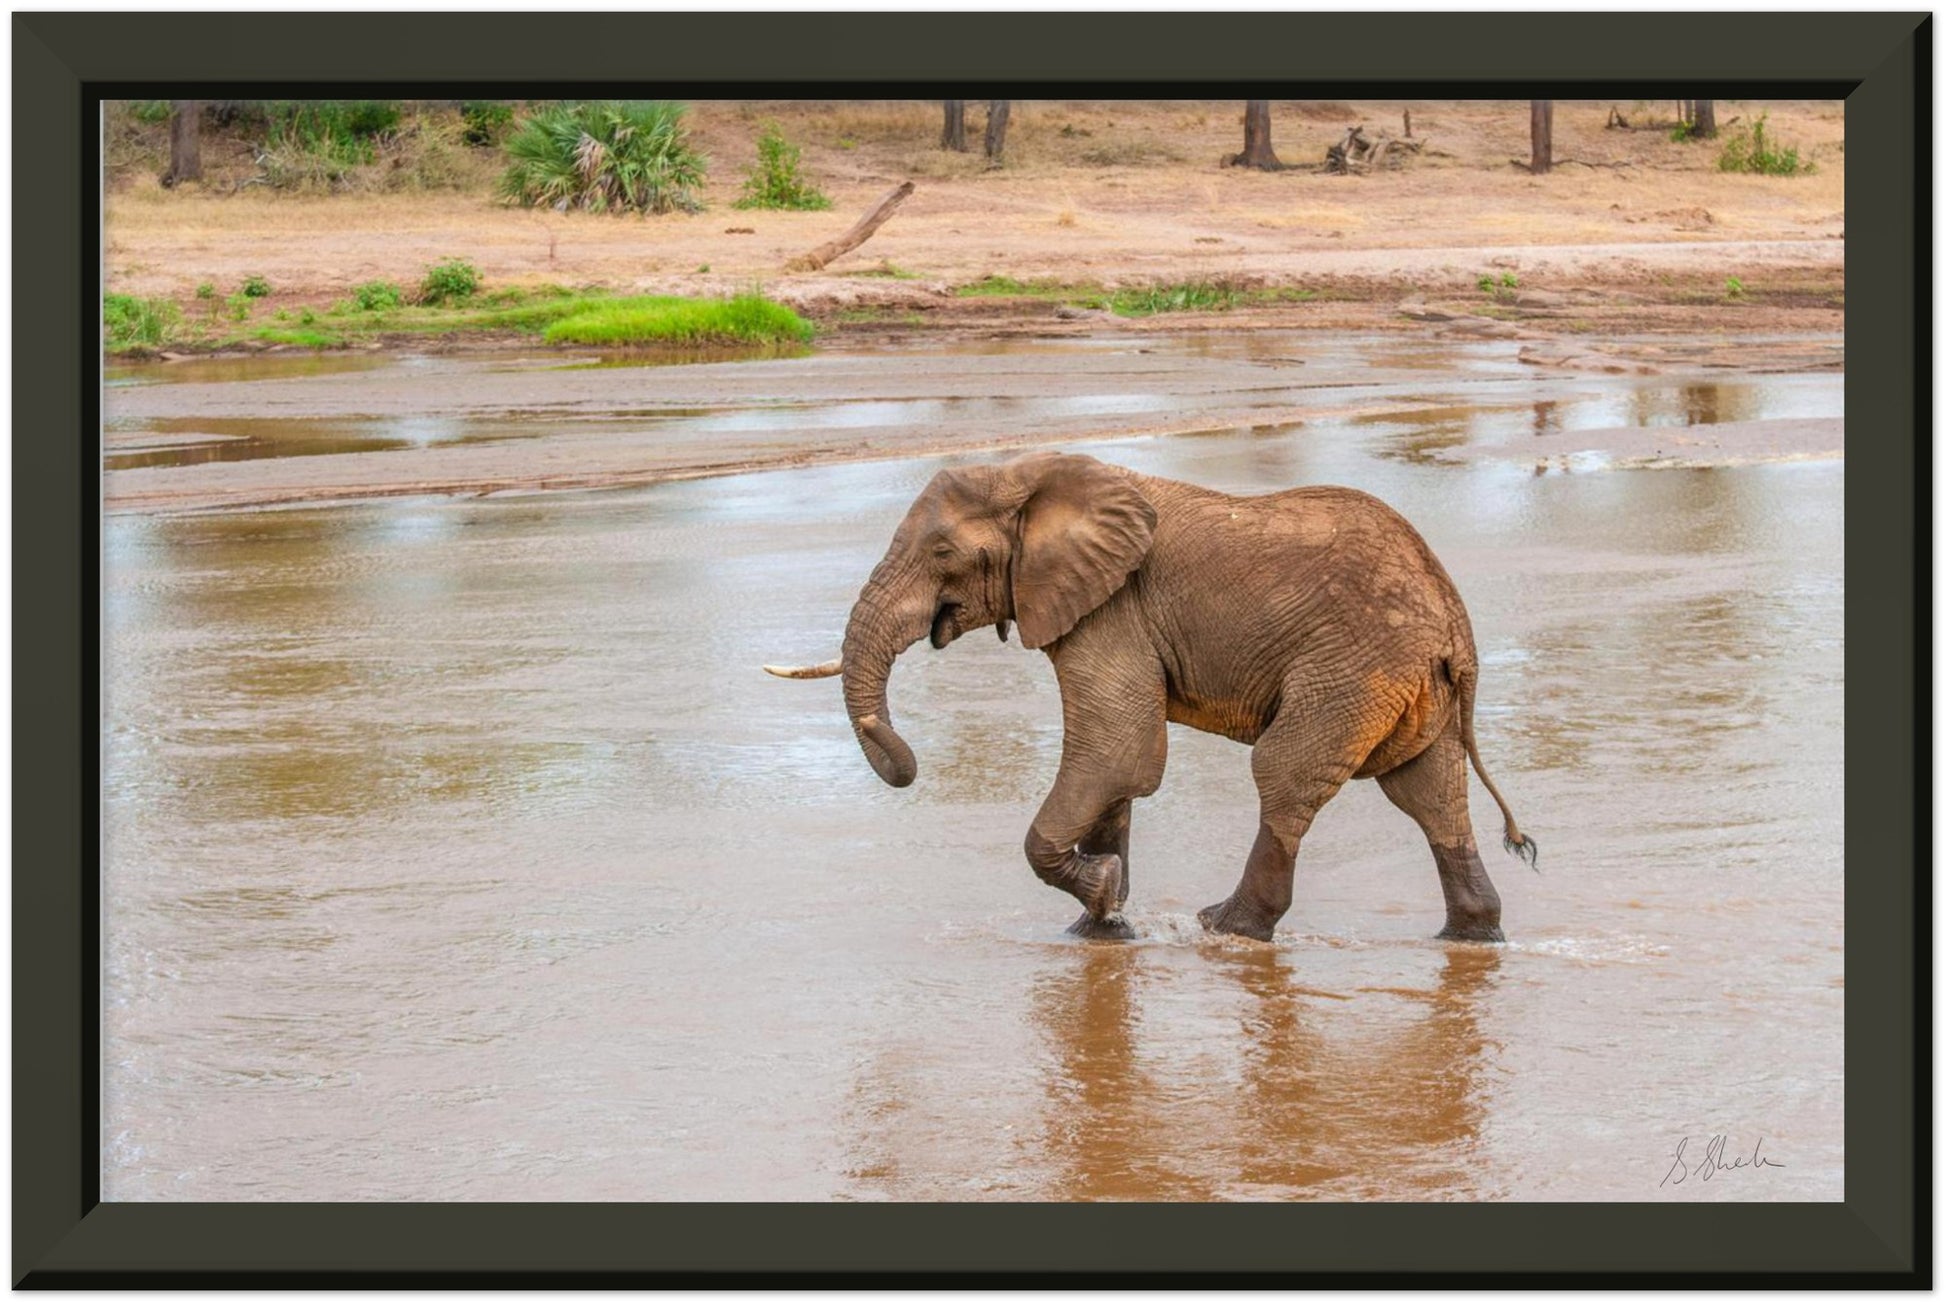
[(459, 849)]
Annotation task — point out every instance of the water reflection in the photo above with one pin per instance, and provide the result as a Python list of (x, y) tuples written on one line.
[(1155, 1073), (1311, 1101), (246, 439)]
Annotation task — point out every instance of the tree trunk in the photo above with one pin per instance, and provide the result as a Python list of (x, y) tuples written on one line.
[(1257, 152), (860, 232), (1542, 128), (953, 136), (185, 142), (1705, 118), (997, 111)]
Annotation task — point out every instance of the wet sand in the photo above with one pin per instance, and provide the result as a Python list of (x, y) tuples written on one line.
[(459, 849)]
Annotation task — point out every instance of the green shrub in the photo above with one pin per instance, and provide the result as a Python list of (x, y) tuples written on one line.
[(619, 155), (485, 121), (239, 304), (1733, 288), (377, 296), (1189, 296), (454, 279), (149, 111), (255, 287), (206, 290), (775, 181), (1749, 150), (129, 320), (747, 319)]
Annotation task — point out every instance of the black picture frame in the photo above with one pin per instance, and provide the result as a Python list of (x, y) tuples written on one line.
[(63, 64)]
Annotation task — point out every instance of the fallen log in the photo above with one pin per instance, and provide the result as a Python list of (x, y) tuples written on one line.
[(1358, 154), (858, 235)]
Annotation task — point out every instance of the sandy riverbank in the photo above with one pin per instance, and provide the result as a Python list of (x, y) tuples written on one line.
[(1633, 231)]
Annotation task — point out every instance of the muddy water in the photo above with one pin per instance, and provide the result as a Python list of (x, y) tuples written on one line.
[(458, 849)]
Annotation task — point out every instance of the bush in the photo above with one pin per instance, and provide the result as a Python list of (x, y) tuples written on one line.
[(485, 121), (206, 290), (149, 111), (377, 296), (345, 129), (774, 182), (453, 279), (129, 320), (255, 287), (1749, 151), (747, 319), (620, 155), (319, 144)]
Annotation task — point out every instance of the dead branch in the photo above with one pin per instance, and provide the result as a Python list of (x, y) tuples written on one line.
[(1358, 154), (861, 232)]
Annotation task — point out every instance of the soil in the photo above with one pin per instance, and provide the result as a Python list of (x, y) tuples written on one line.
[(1632, 232)]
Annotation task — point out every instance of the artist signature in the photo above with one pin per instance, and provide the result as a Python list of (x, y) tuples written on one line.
[(1715, 1159)]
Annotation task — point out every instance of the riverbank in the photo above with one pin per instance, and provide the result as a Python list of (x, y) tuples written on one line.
[(1632, 232)]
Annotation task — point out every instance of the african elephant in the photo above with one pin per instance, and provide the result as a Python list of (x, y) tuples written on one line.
[(1313, 624)]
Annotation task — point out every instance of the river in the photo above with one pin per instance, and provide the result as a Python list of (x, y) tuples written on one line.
[(458, 848)]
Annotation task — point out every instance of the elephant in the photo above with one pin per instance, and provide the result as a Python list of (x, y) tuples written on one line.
[(1312, 624)]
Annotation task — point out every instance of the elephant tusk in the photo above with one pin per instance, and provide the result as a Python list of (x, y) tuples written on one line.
[(823, 670)]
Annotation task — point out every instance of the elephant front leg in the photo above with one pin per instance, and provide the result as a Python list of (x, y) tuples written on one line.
[(1092, 878), (1113, 749), (1109, 837)]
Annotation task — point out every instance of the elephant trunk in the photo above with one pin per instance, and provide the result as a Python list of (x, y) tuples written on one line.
[(885, 621)]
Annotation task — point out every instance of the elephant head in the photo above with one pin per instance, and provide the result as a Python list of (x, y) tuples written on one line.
[(1040, 541)]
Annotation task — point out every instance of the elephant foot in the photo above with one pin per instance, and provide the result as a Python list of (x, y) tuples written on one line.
[(1237, 918), (1471, 930), (1110, 928), (1096, 882)]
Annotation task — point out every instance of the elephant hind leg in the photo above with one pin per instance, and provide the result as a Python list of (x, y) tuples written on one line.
[(1431, 788), (1299, 762)]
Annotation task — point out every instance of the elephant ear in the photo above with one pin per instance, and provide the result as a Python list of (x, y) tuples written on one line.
[(1083, 528)]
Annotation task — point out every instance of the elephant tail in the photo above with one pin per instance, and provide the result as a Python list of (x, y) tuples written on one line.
[(1465, 679)]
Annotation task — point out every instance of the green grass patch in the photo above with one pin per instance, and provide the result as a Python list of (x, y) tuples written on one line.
[(1009, 288), (746, 319), (308, 339), (133, 323), (1186, 296), (1137, 301), (548, 311)]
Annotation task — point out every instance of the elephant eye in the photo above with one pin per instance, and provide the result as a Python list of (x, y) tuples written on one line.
[(943, 550)]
